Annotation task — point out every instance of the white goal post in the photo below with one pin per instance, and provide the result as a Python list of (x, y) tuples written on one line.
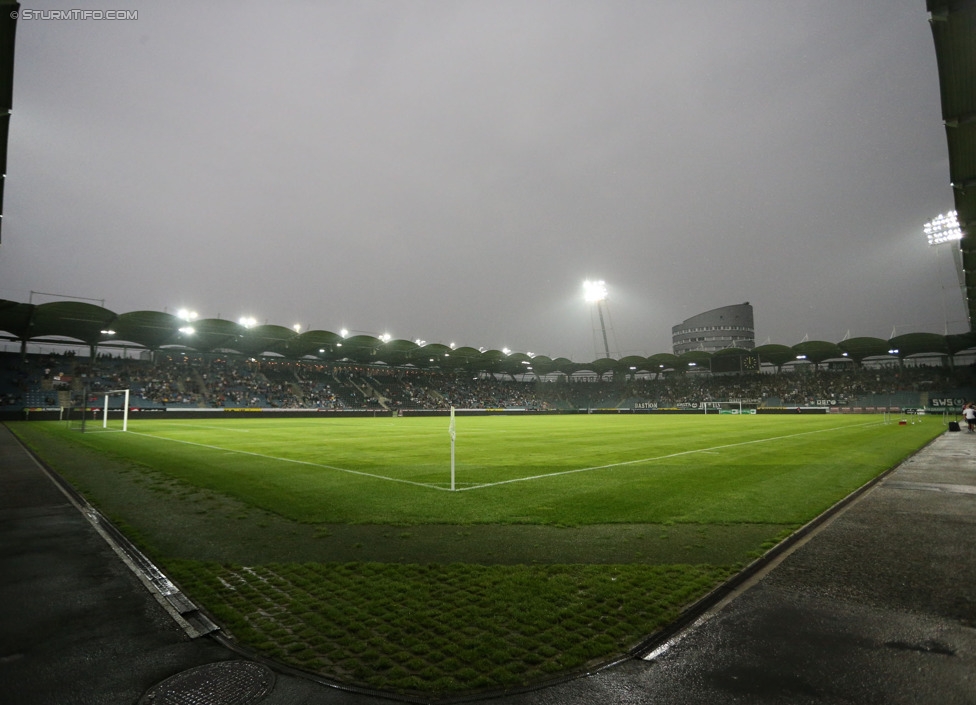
[(77, 417), (124, 411), (730, 407)]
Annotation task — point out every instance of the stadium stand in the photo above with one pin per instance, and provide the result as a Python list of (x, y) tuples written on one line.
[(175, 381)]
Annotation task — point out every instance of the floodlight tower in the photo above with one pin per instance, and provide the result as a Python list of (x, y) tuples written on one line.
[(595, 292), (944, 229)]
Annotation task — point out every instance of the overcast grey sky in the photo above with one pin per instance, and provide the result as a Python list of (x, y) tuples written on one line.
[(452, 170)]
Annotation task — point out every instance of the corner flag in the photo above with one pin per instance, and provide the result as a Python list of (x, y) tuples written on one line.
[(450, 430)]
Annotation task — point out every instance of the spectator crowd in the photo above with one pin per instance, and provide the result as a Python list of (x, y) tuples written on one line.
[(220, 381)]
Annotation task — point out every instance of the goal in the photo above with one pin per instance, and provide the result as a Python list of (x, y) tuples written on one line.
[(104, 411), (730, 407)]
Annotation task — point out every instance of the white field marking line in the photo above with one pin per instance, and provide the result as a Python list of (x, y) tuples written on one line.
[(215, 428), (297, 462), (713, 449)]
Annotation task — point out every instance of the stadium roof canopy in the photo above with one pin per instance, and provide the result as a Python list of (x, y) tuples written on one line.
[(73, 323), (954, 31)]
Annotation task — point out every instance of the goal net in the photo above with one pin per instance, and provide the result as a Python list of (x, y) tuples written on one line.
[(730, 407), (103, 411)]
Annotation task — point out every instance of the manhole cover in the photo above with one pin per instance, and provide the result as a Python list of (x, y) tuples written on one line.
[(221, 683)]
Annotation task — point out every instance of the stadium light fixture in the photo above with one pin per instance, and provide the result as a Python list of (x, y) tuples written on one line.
[(943, 228), (297, 327), (186, 315), (108, 331), (506, 351), (247, 321), (386, 337), (594, 291), (344, 333)]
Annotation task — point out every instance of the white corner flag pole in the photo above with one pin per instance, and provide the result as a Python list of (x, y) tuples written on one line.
[(451, 431)]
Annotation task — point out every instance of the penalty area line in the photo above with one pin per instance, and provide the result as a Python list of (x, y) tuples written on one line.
[(292, 460), (713, 449)]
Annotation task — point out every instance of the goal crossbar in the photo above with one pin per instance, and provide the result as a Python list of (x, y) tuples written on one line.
[(125, 407)]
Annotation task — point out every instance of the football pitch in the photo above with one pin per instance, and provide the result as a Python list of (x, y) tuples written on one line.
[(338, 544)]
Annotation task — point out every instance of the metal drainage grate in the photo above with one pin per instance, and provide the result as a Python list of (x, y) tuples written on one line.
[(221, 683)]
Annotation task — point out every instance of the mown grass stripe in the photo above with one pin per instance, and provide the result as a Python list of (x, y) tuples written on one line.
[(708, 451), (289, 460)]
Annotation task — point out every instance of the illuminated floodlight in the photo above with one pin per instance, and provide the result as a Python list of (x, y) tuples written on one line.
[(943, 228), (188, 330), (247, 321), (108, 331), (506, 351), (595, 291), (297, 327), (344, 333), (386, 337), (420, 342), (186, 315)]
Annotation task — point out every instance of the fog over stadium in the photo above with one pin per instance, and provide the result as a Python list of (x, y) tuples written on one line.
[(452, 171)]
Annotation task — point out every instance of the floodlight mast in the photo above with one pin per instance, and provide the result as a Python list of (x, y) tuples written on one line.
[(596, 292), (944, 229)]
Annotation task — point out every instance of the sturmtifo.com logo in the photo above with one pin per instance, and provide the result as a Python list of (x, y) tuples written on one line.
[(31, 15)]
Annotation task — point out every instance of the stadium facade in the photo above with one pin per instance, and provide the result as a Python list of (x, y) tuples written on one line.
[(718, 329)]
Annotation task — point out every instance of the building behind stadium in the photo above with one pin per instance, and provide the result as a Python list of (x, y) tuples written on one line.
[(718, 329)]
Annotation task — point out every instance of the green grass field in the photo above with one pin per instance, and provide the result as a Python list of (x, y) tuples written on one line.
[(338, 546)]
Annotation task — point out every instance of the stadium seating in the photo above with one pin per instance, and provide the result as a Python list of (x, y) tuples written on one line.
[(219, 381)]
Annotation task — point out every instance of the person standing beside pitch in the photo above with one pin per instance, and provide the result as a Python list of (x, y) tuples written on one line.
[(969, 413)]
